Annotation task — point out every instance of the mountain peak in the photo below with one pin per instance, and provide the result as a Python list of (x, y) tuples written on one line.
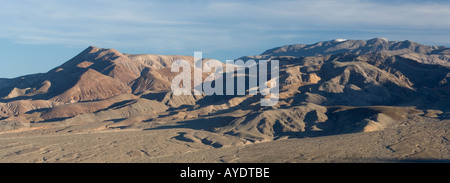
[(340, 40), (378, 40), (89, 50), (92, 48)]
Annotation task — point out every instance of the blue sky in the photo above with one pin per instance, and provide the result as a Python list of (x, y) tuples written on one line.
[(36, 36)]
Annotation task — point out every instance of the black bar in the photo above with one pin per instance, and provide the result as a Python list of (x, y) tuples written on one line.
[(234, 172)]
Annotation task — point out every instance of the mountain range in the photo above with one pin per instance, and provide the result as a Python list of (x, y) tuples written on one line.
[(326, 88)]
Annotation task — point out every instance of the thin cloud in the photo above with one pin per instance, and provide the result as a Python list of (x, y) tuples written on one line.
[(209, 24)]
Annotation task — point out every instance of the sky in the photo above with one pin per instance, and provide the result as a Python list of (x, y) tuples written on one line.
[(36, 36)]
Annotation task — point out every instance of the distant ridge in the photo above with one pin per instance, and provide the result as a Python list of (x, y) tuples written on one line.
[(407, 49)]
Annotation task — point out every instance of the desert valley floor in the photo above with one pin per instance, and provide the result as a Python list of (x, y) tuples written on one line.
[(421, 139)]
